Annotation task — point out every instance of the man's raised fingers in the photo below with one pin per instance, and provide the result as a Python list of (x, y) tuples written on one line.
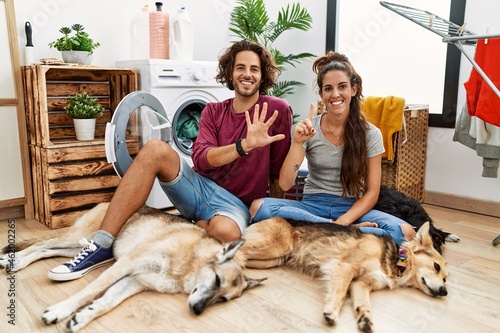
[(263, 113)]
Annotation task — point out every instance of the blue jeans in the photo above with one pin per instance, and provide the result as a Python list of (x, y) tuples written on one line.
[(327, 207), (199, 198)]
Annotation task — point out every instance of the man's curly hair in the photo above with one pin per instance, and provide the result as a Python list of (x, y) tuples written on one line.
[(270, 71)]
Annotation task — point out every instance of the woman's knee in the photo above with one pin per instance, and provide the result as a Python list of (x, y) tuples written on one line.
[(408, 231), (254, 207)]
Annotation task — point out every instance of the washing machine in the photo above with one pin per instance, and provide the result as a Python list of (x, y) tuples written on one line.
[(171, 89)]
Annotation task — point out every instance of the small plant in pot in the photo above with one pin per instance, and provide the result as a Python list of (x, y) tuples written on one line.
[(84, 110), (77, 48)]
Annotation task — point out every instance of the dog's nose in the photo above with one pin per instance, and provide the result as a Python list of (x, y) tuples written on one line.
[(443, 291), (198, 308)]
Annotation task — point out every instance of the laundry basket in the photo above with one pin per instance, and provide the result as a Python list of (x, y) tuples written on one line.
[(406, 173)]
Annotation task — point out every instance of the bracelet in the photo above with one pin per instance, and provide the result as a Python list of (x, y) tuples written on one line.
[(239, 148)]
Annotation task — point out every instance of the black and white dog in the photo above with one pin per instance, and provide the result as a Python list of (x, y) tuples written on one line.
[(396, 203)]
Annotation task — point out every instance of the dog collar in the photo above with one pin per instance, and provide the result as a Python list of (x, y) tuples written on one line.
[(401, 264)]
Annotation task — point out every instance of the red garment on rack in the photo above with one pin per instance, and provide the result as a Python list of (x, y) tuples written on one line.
[(482, 101)]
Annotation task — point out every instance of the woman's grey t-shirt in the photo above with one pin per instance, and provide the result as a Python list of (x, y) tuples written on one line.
[(324, 159)]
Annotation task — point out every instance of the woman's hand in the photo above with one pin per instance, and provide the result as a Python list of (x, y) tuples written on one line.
[(304, 130)]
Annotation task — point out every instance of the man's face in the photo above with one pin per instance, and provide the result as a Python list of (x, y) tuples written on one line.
[(247, 74)]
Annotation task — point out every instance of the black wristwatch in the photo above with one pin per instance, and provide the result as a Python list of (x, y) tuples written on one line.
[(239, 148)]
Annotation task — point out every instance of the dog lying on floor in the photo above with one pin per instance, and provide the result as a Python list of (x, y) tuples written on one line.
[(396, 203), (150, 246), (347, 261)]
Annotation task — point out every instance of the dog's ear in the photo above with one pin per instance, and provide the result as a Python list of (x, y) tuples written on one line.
[(423, 236), (251, 282), (228, 251)]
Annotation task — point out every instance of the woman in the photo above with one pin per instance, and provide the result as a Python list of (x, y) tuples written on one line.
[(344, 155)]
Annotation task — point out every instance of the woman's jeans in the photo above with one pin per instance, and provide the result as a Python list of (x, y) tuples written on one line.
[(327, 208)]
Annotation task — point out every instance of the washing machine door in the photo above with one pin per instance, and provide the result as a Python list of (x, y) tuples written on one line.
[(138, 118)]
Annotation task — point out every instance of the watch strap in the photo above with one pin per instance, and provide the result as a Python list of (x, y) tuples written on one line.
[(239, 148)]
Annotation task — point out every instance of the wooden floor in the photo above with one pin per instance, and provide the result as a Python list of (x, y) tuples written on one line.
[(287, 301)]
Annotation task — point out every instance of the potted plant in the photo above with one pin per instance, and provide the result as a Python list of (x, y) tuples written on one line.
[(77, 48), (249, 19), (84, 110)]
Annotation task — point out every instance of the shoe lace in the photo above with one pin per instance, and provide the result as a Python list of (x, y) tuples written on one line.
[(88, 247)]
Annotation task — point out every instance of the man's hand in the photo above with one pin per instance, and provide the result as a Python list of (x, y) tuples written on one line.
[(258, 130)]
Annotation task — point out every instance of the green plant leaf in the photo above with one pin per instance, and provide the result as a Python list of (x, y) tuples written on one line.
[(284, 88), (82, 106), (80, 41), (248, 19), (290, 18)]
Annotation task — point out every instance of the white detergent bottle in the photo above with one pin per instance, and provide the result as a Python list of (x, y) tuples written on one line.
[(181, 39), (139, 34)]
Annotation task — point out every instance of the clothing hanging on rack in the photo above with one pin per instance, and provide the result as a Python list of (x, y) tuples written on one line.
[(483, 137), (482, 102)]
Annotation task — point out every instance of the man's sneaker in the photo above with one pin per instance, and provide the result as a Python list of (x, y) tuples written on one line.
[(90, 257)]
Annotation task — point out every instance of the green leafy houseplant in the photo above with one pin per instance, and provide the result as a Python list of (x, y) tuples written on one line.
[(80, 41), (249, 19), (82, 106)]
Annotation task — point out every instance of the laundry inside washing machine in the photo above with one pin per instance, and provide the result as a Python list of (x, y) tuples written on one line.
[(186, 125)]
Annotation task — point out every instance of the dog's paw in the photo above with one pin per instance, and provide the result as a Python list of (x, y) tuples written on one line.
[(4, 262), (9, 262), (13, 264), (55, 313), (453, 238), (80, 319), (330, 319), (365, 323), (73, 325)]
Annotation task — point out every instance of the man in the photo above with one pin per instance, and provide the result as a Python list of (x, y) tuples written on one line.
[(239, 151)]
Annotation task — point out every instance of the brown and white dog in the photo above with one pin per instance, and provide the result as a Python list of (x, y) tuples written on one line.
[(347, 261), (153, 251)]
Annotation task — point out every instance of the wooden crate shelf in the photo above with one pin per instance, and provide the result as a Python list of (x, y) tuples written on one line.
[(47, 88), (68, 180), (70, 176)]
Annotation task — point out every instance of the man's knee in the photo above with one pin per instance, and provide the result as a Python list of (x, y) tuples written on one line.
[(155, 150), (223, 229), (153, 156)]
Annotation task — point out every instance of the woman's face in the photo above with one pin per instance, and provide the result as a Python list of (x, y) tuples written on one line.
[(337, 92)]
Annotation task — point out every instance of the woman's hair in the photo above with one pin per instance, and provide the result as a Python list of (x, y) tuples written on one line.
[(270, 71), (354, 170)]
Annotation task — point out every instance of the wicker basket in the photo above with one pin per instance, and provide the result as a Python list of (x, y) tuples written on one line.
[(406, 172)]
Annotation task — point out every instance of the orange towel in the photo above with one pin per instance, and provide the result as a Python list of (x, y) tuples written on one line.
[(387, 114)]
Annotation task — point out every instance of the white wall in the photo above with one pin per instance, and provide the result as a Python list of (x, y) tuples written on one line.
[(451, 167)]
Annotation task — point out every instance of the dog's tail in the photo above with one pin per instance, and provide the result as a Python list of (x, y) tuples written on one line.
[(21, 245)]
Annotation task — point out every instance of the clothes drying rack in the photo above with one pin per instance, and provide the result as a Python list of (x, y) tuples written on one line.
[(451, 33)]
